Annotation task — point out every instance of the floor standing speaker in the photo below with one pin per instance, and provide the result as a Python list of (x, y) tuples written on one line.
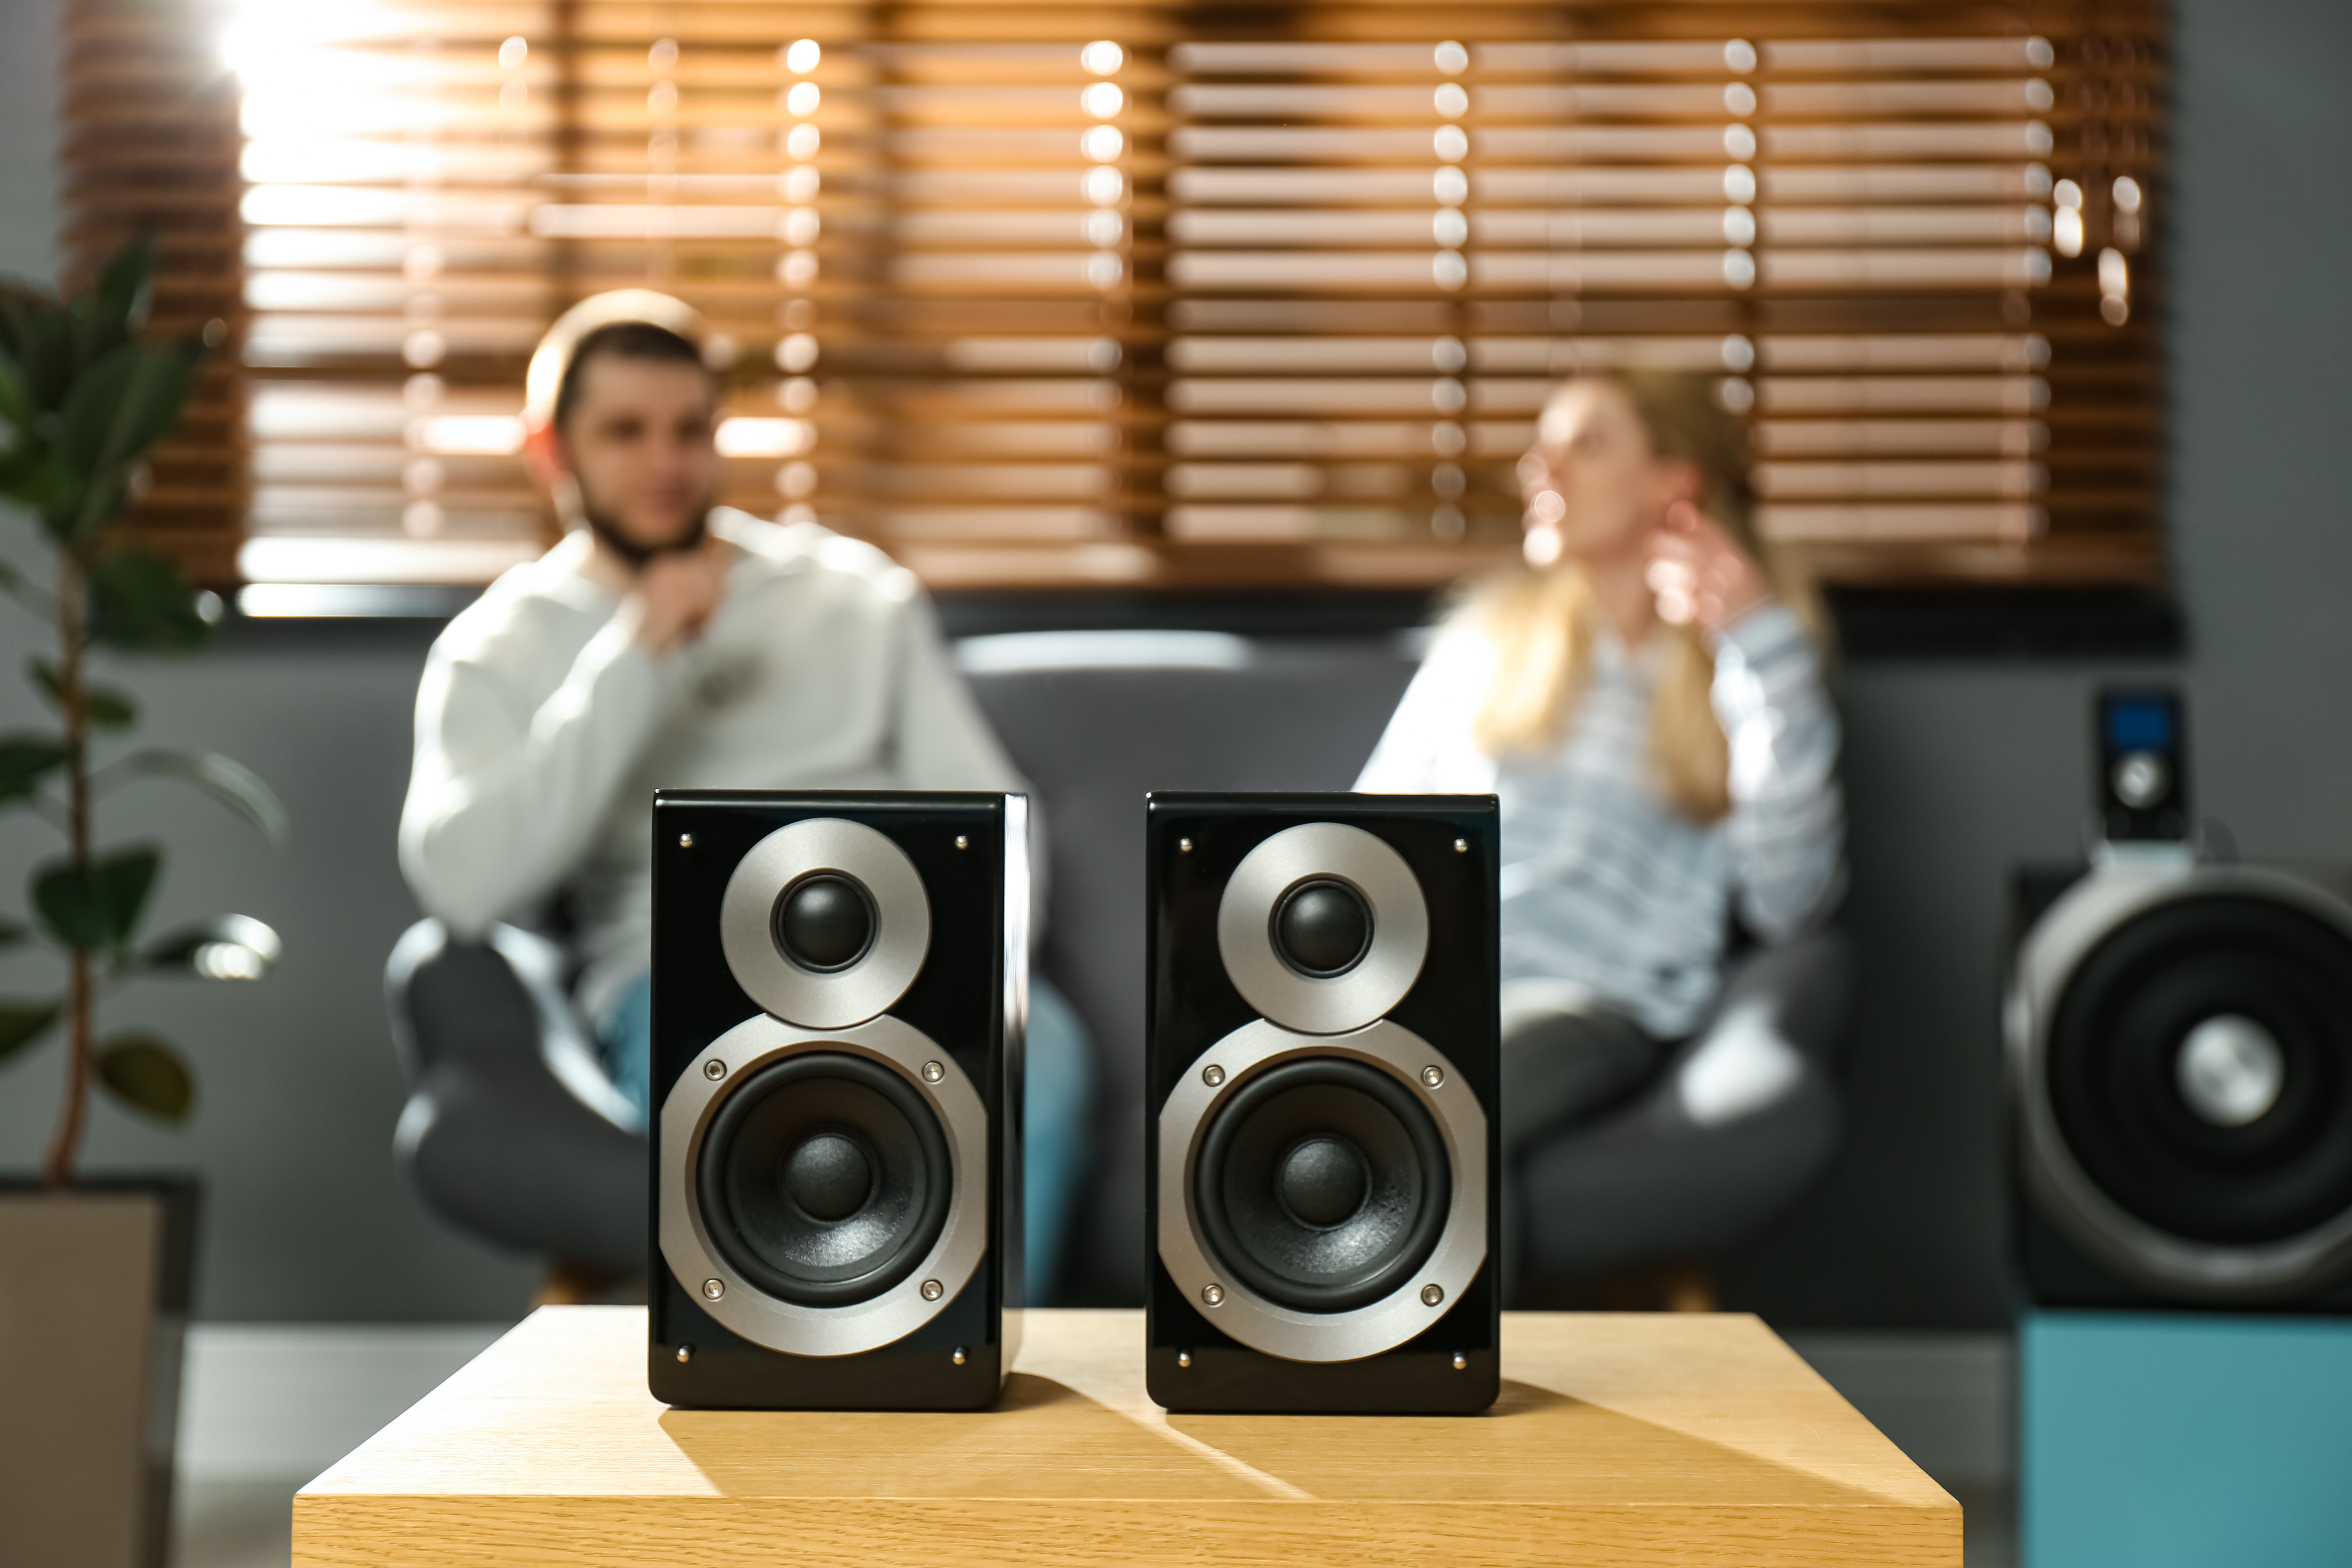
[(2180, 1051), (1320, 1115), (839, 994)]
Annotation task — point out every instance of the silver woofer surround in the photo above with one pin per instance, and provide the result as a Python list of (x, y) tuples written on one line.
[(902, 923), (2082, 917), (1281, 1331), (787, 1326), (1376, 982)]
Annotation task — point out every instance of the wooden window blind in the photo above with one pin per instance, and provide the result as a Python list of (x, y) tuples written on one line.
[(148, 145), (1162, 296)]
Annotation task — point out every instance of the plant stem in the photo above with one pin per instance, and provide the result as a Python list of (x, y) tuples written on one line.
[(59, 1169)]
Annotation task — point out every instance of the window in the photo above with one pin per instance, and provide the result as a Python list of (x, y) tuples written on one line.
[(1176, 297)]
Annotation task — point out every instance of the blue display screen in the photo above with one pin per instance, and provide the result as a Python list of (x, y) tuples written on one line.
[(2139, 723)]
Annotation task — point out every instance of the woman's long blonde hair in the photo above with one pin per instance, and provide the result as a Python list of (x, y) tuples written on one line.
[(1540, 623)]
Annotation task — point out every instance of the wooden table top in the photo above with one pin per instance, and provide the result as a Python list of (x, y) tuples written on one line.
[(1645, 1438)]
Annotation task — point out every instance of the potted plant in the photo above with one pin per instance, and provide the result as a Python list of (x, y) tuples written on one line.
[(95, 1275)]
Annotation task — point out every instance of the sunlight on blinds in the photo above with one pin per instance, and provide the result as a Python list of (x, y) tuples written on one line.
[(1150, 297)]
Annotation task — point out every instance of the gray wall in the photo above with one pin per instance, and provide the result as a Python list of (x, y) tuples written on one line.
[(1956, 771)]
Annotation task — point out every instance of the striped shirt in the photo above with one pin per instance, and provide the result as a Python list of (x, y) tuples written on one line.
[(1608, 892)]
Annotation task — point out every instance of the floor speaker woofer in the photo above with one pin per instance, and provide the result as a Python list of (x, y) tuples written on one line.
[(1322, 1065), (840, 989), (2179, 1038)]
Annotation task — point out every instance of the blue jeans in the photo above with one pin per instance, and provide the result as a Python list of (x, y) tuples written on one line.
[(1059, 1090)]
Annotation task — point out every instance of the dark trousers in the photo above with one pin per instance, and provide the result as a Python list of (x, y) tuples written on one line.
[(1561, 1068)]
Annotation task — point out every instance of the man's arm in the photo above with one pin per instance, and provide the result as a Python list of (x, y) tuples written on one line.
[(942, 741), (503, 803)]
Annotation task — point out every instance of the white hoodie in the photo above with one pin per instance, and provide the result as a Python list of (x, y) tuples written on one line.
[(543, 727)]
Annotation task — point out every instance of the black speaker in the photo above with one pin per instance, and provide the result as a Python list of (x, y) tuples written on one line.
[(2179, 1060), (840, 987), (1319, 1125)]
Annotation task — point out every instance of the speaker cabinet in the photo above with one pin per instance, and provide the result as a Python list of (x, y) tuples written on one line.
[(2179, 1040), (840, 986), (1319, 1125)]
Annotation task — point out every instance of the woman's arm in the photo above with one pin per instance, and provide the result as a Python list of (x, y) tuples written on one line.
[(1428, 747), (1787, 826), (504, 802)]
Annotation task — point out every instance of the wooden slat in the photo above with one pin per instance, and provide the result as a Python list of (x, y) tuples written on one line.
[(149, 144), (1000, 470)]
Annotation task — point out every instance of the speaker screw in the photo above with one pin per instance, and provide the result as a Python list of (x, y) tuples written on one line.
[(1183, 1358), (1431, 1295), (686, 841), (933, 1291), (933, 1072), (959, 1355), (1185, 845), (962, 842), (1213, 1075), (1214, 1295), (1461, 846), (712, 1289), (714, 1069), (1461, 1362), (1434, 1076), (685, 1353)]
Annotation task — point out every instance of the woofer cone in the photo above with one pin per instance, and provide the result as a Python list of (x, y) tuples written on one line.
[(824, 1178), (2116, 1068), (1321, 1184)]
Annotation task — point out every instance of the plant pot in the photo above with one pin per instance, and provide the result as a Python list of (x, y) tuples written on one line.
[(95, 1285)]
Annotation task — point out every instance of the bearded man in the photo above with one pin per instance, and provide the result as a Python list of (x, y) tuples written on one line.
[(670, 642)]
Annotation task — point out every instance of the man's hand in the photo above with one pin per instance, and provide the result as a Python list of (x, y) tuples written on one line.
[(678, 593), (1701, 577)]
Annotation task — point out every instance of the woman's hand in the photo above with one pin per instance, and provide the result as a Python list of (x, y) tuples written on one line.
[(1700, 576)]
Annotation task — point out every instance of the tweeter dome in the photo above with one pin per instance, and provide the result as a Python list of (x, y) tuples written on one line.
[(839, 997), (1321, 1064)]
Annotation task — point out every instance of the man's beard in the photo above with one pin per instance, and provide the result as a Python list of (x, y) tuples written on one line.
[(608, 534)]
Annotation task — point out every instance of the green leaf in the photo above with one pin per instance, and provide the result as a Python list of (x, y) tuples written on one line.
[(46, 344), (107, 708), (125, 288), (25, 761), (91, 425), (139, 601), (13, 932), (101, 705), (95, 908), (229, 947), (147, 1075), (120, 405), (16, 397), (232, 783), (22, 1023), (36, 480)]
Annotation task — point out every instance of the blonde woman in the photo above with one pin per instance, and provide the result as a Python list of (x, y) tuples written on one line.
[(1647, 701)]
